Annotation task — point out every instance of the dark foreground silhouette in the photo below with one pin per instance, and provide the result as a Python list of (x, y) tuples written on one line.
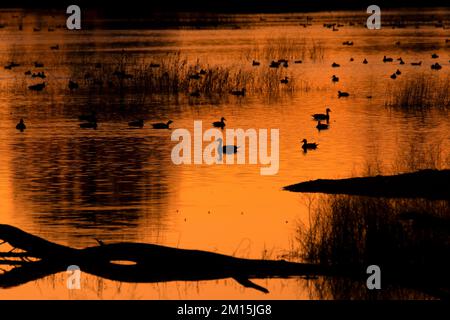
[(430, 184), (39, 258)]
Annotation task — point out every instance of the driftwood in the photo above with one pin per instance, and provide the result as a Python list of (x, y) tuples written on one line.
[(430, 184), (153, 263)]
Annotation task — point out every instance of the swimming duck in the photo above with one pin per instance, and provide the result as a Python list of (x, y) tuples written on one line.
[(398, 72), (219, 124), (21, 125), (73, 85), (255, 63), (365, 61), (386, 59), (309, 146), (343, 94), (274, 64), (334, 78), (230, 149), (436, 66), (401, 60), (321, 126), (136, 123), (55, 47), (238, 92), (322, 116), (393, 76), (89, 125), (37, 87), (27, 73), (335, 65), (434, 56), (154, 65), (162, 125), (285, 80), (39, 75), (351, 59), (416, 63), (298, 61), (285, 64)]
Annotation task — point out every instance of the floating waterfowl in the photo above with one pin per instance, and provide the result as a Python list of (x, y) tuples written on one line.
[(274, 64), (322, 116), (393, 76), (55, 47), (38, 64), (154, 65), (309, 146), (365, 61), (21, 125), (12, 65), (219, 124), (88, 125), (398, 72), (298, 61), (335, 65), (285, 80), (73, 85), (285, 64), (434, 56), (162, 125), (37, 87), (386, 59), (397, 43), (416, 63), (39, 75), (27, 73), (334, 78), (255, 63), (401, 60), (351, 59), (343, 94), (136, 123), (229, 149), (321, 126), (436, 66), (238, 92), (347, 43)]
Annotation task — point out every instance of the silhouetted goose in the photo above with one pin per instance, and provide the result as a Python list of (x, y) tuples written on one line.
[(334, 78), (398, 72), (434, 56), (309, 146), (136, 123), (274, 64), (347, 43), (88, 125), (322, 116), (12, 65), (335, 65), (321, 126), (343, 94), (230, 149), (73, 85), (285, 80), (255, 63), (436, 66), (37, 87), (298, 61), (386, 59), (21, 125), (238, 92), (219, 124), (38, 64), (393, 76), (365, 61), (39, 75), (162, 125), (401, 60), (416, 63)]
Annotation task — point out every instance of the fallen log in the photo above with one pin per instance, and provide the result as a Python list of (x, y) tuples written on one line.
[(429, 184)]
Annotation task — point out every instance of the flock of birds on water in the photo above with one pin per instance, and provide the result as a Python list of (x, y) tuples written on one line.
[(89, 121)]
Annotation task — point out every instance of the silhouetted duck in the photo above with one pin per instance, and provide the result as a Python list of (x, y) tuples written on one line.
[(27, 73), (334, 78), (73, 85), (436, 66), (401, 60), (38, 64), (239, 92), (37, 87), (136, 123), (434, 56), (322, 116), (55, 47), (162, 125), (351, 59), (285, 80), (343, 94), (202, 72), (229, 149), (298, 61), (365, 61), (398, 72), (274, 64), (219, 124), (21, 125), (335, 65), (386, 59), (321, 126), (309, 146), (255, 63), (347, 43), (88, 125), (393, 76)]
